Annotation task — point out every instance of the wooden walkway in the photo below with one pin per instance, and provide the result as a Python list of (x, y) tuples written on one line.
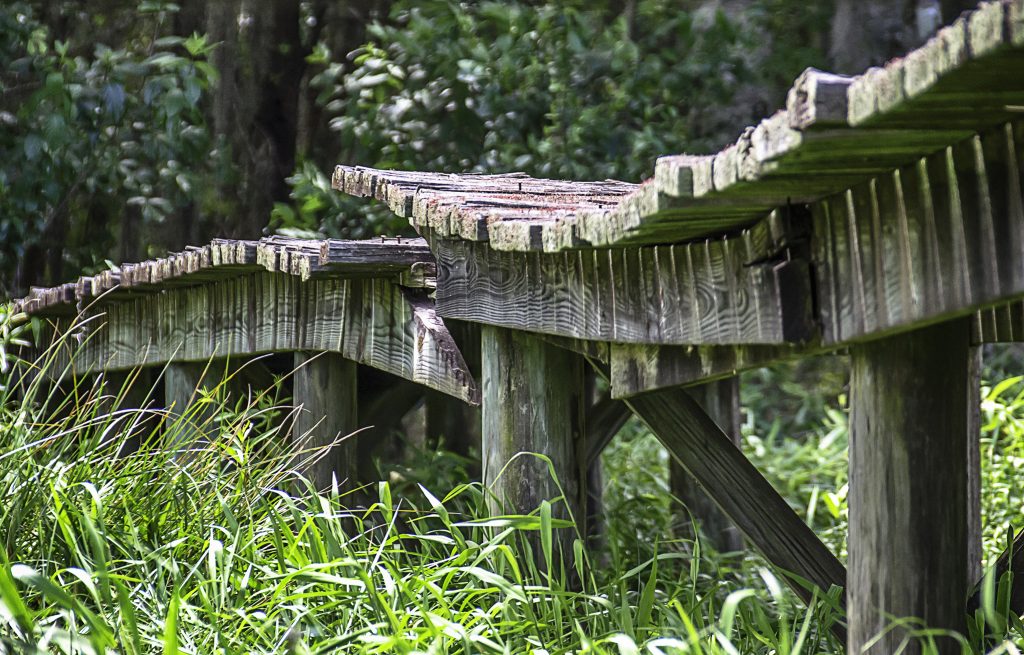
[(880, 214)]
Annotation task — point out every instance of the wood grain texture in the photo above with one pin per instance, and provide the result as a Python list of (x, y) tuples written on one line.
[(721, 401), (532, 403), (935, 239), (741, 492), (326, 412), (407, 259), (723, 291), (637, 368), (190, 421), (975, 552), (368, 320), (908, 543)]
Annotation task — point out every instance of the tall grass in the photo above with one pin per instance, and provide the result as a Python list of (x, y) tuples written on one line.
[(215, 546)]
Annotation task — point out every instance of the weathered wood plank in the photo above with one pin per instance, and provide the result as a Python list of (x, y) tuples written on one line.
[(326, 412), (636, 368), (909, 395), (368, 320), (958, 222), (735, 485), (623, 294)]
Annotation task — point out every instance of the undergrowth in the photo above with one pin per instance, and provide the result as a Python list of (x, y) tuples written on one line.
[(124, 533)]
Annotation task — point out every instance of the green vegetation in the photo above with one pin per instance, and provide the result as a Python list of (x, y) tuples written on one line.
[(218, 547)]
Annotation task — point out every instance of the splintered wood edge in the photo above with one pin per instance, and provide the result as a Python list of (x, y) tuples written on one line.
[(817, 101), (198, 265)]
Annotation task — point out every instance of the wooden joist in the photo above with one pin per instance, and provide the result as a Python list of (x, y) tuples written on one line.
[(340, 257), (368, 320), (937, 238)]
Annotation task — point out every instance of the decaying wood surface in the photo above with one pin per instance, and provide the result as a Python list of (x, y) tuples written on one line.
[(368, 320), (834, 132), (524, 414), (908, 550), (726, 291), (936, 238), (232, 298)]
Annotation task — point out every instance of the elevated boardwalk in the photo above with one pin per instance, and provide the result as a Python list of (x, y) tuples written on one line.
[(881, 214)]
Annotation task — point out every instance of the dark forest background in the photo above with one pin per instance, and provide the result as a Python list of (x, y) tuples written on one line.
[(129, 129)]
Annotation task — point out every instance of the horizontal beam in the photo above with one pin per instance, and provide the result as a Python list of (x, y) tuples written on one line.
[(636, 368), (727, 291), (370, 321)]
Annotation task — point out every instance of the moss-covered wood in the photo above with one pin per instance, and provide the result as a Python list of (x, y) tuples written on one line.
[(908, 543)]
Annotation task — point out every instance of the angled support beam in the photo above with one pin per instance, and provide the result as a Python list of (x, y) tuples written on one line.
[(740, 491), (604, 420), (1010, 560), (725, 291), (908, 485), (721, 401), (326, 412)]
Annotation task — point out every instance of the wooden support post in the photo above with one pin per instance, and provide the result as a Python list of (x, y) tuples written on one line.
[(721, 401), (186, 424), (532, 403), (130, 393), (740, 491), (974, 545), (451, 423), (324, 390), (908, 485)]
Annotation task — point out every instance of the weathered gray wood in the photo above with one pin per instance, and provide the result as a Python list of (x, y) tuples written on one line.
[(908, 552), (191, 415), (604, 420), (371, 321), (721, 401), (935, 239), (723, 291), (735, 485), (637, 368), (532, 403), (975, 553), (325, 397), (835, 132)]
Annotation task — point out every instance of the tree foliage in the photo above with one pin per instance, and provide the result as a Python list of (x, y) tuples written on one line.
[(98, 143), (126, 132)]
